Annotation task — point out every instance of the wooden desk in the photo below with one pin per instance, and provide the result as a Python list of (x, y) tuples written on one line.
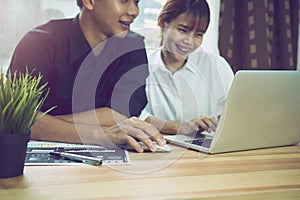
[(183, 174)]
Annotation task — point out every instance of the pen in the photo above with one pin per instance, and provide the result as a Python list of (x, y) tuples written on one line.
[(81, 158)]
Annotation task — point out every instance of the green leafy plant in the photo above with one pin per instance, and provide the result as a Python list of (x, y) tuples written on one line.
[(20, 101)]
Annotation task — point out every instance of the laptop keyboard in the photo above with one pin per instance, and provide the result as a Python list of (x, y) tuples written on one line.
[(201, 140)]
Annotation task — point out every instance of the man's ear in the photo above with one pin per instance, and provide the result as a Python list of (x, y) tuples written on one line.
[(89, 4)]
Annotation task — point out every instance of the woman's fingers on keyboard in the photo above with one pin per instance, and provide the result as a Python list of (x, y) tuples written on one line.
[(214, 124), (208, 124)]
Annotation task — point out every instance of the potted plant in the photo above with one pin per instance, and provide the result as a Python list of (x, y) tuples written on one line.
[(20, 101)]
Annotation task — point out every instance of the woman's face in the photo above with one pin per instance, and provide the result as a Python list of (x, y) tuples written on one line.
[(182, 36)]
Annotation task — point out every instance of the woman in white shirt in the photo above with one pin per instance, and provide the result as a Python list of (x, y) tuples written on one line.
[(187, 87)]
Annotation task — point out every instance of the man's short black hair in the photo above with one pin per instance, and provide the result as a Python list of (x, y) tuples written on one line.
[(79, 3)]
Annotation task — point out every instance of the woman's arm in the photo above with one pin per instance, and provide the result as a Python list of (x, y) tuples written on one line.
[(172, 127), (201, 124)]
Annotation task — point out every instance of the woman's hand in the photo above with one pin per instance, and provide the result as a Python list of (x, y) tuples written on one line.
[(172, 127), (204, 123), (199, 124), (185, 128)]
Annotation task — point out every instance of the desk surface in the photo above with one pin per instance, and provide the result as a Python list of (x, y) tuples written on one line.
[(183, 174)]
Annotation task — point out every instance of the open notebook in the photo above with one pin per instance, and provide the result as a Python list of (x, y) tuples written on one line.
[(262, 110)]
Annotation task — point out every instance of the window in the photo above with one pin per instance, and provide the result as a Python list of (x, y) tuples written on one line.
[(19, 16)]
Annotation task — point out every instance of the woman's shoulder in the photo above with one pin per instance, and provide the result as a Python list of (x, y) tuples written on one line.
[(209, 62), (200, 55)]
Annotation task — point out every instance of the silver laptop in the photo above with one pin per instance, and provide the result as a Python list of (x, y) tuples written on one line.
[(262, 110)]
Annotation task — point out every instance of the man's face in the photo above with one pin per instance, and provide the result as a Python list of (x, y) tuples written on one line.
[(113, 17)]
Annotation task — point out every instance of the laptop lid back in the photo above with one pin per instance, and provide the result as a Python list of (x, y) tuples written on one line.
[(262, 110)]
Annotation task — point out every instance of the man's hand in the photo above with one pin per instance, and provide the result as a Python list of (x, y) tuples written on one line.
[(132, 130)]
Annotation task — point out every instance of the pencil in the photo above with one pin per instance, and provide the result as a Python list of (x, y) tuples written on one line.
[(75, 157)]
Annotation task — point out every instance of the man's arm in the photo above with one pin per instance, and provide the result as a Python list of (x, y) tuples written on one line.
[(98, 117), (129, 131), (50, 128)]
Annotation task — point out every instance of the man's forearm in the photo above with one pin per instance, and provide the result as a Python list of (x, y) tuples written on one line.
[(50, 128), (99, 117)]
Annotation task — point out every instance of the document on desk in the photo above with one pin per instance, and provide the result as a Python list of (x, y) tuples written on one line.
[(54, 153)]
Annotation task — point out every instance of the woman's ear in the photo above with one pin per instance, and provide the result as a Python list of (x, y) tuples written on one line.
[(89, 4), (161, 23)]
